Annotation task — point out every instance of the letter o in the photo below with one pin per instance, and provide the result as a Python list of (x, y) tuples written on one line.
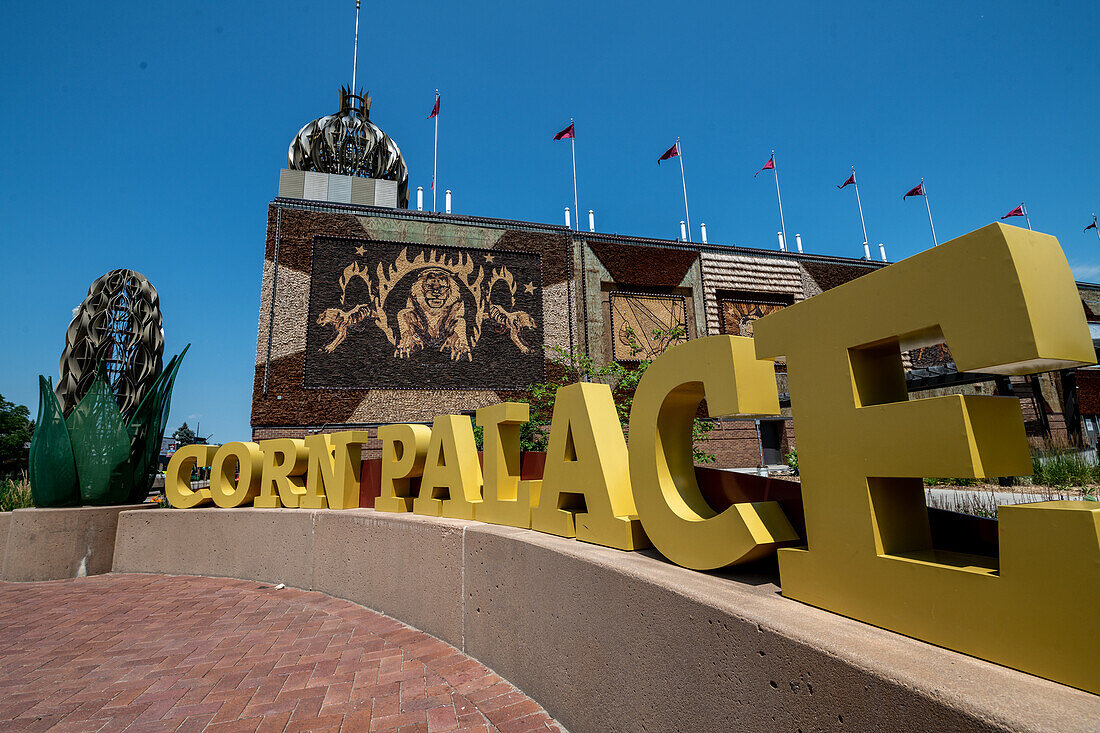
[(227, 490)]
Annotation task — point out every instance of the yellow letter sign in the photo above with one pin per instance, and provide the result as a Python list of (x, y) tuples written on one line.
[(677, 518), (334, 465), (586, 483), (451, 484), (506, 498), (1005, 302), (235, 474), (282, 482), (404, 446), (177, 479)]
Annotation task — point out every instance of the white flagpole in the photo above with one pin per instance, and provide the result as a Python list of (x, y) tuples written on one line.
[(928, 206), (355, 55), (435, 156), (866, 246), (782, 223), (573, 146), (1026, 217), (1095, 229), (683, 180)]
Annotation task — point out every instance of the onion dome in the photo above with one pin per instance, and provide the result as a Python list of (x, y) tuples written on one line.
[(348, 143)]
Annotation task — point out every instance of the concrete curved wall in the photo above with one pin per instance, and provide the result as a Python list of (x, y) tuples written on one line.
[(608, 640), (50, 544)]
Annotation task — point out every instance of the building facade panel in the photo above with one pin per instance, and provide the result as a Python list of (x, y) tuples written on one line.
[(325, 360), (732, 272), (516, 290), (399, 315)]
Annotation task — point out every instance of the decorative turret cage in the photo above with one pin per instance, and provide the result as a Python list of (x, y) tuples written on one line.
[(348, 143)]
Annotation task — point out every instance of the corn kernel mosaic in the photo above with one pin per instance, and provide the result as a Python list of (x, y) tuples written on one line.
[(401, 315)]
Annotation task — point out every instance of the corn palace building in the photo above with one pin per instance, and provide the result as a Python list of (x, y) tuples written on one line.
[(372, 312)]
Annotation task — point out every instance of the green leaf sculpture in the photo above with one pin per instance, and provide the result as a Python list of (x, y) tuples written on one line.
[(52, 467), (147, 428), (101, 445), (95, 456)]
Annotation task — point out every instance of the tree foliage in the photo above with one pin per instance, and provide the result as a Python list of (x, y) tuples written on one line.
[(184, 436), (16, 429), (569, 368)]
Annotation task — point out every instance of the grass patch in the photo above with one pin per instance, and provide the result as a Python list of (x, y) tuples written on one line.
[(1056, 464), (1063, 468), (984, 503), (15, 493)]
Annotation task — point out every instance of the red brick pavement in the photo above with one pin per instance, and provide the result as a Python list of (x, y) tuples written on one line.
[(159, 653)]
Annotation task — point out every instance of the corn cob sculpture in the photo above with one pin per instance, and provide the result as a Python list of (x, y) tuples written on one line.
[(99, 432)]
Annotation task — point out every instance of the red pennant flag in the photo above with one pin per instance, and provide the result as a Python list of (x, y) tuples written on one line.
[(670, 153), (435, 109), (851, 179), (1090, 226), (1018, 211), (918, 190), (769, 166), (567, 133)]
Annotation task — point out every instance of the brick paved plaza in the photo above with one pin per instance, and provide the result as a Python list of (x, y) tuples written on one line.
[(161, 653)]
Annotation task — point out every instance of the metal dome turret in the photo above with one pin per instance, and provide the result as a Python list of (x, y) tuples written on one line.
[(348, 143)]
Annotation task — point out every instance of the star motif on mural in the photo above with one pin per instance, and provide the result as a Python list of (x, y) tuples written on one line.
[(489, 259), (360, 250), (529, 288)]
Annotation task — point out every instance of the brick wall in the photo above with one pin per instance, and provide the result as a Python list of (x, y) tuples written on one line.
[(735, 443)]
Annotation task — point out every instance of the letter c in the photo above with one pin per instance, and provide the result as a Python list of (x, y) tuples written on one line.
[(177, 479), (673, 512)]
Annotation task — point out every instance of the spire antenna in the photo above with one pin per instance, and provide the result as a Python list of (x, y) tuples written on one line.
[(355, 53)]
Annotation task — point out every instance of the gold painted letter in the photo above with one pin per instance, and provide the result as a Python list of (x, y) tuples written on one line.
[(177, 479), (226, 487), (403, 449), (676, 517), (1005, 302), (451, 485), (335, 465), (282, 482), (586, 484), (507, 498)]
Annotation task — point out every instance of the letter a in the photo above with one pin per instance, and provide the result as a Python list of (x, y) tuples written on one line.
[(451, 485), (586, 483)]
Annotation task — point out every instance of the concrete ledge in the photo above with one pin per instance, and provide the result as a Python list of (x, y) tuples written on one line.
[(5, 527), (272, 545), (407, 566), (51, 544), (608, 640)]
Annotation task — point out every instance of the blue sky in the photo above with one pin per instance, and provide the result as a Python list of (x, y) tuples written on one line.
[(150, 136)]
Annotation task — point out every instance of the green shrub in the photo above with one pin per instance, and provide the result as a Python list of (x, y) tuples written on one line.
[(571, 367), (792, 460)]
